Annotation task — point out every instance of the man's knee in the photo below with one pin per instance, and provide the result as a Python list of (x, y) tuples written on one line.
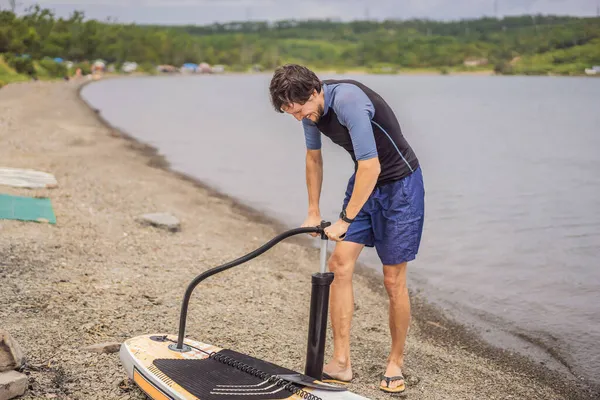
[(394, 279), (341, 266)]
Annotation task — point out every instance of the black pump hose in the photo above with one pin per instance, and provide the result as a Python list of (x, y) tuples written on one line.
[(221, 268)]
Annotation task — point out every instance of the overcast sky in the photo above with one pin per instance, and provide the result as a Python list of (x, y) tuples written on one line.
[(208, 11)]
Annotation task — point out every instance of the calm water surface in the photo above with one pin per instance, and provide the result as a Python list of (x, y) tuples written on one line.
[(512, 177)]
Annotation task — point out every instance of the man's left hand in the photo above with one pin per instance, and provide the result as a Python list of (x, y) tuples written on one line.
[(336, 231)]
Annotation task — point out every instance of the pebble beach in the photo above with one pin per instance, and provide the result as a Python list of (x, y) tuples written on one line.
[(100, 275)]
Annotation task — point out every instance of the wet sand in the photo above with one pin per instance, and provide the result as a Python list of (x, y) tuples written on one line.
[(101, 276)]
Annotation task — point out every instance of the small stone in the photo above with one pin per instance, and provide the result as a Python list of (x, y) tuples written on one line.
[(103, 348), (412, 380), (153, 300), (88, 326), (124, 385), (11, 354), (12, 384), (162, 220), (436, 325)]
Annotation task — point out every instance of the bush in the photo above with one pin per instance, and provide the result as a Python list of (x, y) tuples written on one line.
[(569, 69), (53, 69), (86, 68), (503, 68), (23, 65), (4, 68), (2, 83), (536, 69), (148, 68), (239, 68)]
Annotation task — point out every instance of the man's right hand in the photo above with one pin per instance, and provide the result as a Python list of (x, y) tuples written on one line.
[(312, 221)]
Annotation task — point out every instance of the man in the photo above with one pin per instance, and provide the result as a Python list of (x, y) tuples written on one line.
[(383, 206)]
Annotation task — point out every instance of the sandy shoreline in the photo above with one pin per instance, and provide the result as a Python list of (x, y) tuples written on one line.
[(100, 276)]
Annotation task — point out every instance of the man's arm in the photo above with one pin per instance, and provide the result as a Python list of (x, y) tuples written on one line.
[(355, 111), (314, 172), (314, 181), (364, 183)]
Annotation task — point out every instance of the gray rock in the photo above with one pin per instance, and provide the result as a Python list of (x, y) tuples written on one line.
[(103, 348), (12, 384), (11, 354), (161, 220)]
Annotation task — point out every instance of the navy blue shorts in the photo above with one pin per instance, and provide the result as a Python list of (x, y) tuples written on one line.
[(391, 220)]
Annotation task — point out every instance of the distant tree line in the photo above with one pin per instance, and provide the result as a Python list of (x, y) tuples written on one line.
[(525, 44)]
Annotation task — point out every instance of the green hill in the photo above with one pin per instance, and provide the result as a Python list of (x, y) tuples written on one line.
[(522, 45)]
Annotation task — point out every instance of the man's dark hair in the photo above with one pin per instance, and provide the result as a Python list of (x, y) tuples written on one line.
[(292, 83)]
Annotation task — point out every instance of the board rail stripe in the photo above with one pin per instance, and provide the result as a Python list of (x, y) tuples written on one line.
[(148, 387)]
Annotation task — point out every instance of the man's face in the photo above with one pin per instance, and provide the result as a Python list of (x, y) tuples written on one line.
[(312, 109)]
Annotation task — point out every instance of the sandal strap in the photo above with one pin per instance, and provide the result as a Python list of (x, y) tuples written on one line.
[(390, 379)]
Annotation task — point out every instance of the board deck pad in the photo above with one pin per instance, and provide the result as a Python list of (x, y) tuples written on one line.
[(165, 374), (210, 379)]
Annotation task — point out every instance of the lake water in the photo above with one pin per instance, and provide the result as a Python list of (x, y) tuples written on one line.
[(512, 177)]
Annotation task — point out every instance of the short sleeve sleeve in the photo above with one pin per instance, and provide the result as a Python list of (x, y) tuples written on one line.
[(355, 111), (312, 135)]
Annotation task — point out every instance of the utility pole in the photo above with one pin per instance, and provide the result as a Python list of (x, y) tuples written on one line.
[(496, 8), (367, 16)]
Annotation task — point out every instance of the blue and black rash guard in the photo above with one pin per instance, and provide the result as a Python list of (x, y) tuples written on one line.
[(359, 120)]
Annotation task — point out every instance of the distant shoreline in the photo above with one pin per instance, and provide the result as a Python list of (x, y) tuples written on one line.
[(442, 71)]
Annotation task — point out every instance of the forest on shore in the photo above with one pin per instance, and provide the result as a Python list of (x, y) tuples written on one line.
[(31, 42)]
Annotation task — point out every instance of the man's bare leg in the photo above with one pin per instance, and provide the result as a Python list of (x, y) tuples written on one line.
[(394, 277), (341, 263)]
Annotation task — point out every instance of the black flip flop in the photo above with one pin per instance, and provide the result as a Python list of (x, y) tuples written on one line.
[(401, 388)]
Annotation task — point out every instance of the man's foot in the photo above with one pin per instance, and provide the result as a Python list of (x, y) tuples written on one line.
[(335, 372), (393, 380)]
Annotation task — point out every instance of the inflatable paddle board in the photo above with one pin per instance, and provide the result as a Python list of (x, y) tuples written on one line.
[(208, 372), (172, 367)]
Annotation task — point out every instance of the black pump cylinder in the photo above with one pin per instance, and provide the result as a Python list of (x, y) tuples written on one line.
[(317, 329)]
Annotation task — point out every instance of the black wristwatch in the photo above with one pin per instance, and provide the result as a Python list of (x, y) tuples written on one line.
[(345, 218)]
